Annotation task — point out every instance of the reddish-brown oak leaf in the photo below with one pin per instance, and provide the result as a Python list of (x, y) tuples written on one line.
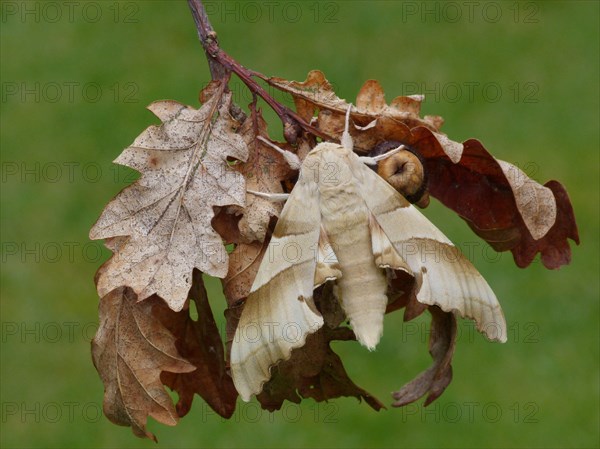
[(500, 202), (130, 350), (315, 370), (200, 343)]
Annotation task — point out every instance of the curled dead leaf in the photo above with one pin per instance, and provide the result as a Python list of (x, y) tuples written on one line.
[(535, 203), (436, 378)]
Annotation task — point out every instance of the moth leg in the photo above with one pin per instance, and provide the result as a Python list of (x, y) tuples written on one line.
[(274, 197), (373, 160), (292, 160)]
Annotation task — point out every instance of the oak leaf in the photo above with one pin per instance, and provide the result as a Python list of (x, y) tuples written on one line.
[(200, 343), (501, 203), (167, 213), (536, 203), (264, 172), (372, 117), (244, 262), (130, 350), (436, 378), (315, 370), (313, 93)]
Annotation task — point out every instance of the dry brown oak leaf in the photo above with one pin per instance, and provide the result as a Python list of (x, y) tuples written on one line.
[(167, 213), (264, 172), (371, 116), (130, 350), (244, 262)]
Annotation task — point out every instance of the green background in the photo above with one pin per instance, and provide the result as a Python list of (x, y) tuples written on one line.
[(534, 72)]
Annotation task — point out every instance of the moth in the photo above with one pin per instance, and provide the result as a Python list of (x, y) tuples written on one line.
[(343, 223)]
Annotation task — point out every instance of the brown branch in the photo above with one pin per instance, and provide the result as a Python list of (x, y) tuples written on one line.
[(207, 35), (220, 64)]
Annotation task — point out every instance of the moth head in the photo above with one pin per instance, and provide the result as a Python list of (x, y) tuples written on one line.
[(405, 171)]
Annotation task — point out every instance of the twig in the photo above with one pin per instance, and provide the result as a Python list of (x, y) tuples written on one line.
[(206, 34), (220, 63)]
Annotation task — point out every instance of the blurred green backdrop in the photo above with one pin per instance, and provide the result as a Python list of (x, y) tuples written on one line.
[(520, 76)]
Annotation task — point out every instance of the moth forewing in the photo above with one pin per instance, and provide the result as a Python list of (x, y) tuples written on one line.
[(273, 323), (279, 313), (295, 236)]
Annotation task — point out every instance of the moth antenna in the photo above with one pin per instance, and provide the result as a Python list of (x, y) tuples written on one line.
[(346, 137), (292, 160), (375, 159)]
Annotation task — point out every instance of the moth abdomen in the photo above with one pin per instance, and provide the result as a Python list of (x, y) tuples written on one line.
[(362, 286)]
